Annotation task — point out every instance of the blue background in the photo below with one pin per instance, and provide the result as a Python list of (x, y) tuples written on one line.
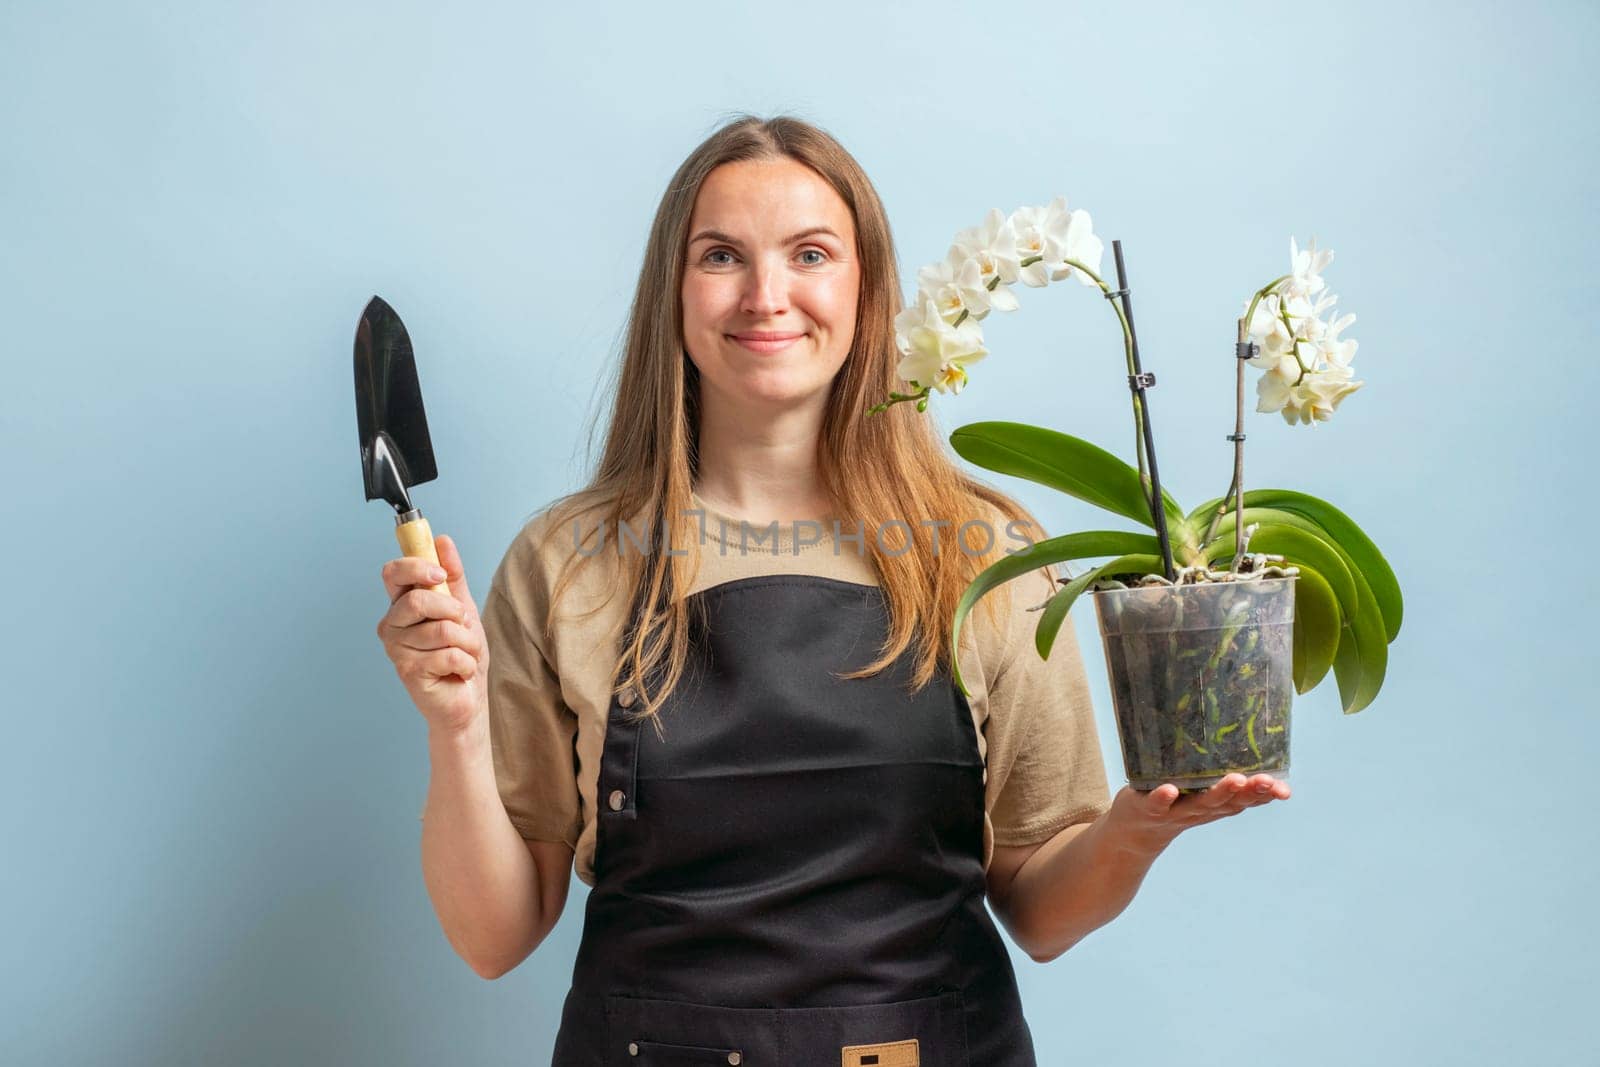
[(213, 775)]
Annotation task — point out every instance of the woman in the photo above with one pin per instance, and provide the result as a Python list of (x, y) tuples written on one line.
[(791, 865)]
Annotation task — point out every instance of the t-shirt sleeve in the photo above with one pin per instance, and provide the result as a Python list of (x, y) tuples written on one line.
[(1045, 767), (531, 730)]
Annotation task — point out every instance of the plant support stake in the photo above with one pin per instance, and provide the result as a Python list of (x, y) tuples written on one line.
[(1139, 381), (1244, 349)]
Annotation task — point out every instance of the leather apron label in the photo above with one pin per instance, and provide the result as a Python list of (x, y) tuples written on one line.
[(893, 1054)]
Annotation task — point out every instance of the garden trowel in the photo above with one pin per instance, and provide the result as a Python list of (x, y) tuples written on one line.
[(396, 452)]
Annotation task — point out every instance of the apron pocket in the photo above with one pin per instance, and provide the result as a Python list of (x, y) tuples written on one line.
[(925, 1032), (655, 1054), (641, 1031)]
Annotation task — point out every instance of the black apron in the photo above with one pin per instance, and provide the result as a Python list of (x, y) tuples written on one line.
[(794, 875)]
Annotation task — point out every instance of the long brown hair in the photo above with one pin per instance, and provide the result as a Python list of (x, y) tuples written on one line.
[(898, 467)]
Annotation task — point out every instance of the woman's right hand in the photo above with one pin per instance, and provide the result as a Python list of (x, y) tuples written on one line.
[(435, 640)]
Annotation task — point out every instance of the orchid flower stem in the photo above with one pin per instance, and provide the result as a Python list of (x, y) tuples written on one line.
[(1222, 508), (1294, 349), (1127, 346), (1127, 349), (1235, 493), (1144, 445), (1238, 454)]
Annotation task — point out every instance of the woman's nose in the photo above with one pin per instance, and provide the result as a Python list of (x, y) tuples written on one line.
[(766, 290)]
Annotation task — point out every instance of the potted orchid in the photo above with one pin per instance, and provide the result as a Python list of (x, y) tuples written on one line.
[(1214, 621)]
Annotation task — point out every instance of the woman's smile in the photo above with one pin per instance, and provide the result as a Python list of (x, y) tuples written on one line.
[(765, 340)]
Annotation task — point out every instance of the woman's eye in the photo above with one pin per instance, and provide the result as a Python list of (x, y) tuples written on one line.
[(710, 257)]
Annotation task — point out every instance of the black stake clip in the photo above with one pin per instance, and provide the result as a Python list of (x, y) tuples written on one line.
[(1142, 380), (1236, 437), (1247, 350)]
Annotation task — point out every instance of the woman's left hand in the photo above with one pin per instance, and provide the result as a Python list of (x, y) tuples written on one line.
[(1147, 822)]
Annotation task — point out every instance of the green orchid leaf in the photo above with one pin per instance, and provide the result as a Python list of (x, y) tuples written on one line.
[(1316, 629), (1363, 654), (1341, 530), (1224, 535), (1297, 545), (1056, 608), (1347, 667), (1069, 464), (1087, 545)]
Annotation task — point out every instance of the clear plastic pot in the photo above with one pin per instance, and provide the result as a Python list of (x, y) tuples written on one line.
[(1202, 677)]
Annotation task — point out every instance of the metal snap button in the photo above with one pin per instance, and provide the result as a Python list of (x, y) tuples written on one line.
[(626, 698), (734, 1057), (618, 799), (633, 1048)]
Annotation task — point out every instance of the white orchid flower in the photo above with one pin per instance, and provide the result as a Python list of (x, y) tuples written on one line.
[(1041, 235), (1311, 329), (1278, 339), (933, 352), (1082, 246), (1276, 391), (954, 284), (976, 273), (1306, 267), (937, 282), (1323, 389), (992, 249), (1314, 399), (1336, 352)]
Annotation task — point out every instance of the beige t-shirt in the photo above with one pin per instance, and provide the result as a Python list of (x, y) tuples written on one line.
[(550, 692)]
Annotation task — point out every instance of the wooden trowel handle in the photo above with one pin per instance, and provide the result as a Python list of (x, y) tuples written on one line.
[(416, 539)]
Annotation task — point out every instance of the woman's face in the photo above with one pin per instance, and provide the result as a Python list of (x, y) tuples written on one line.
[(771, 283)]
